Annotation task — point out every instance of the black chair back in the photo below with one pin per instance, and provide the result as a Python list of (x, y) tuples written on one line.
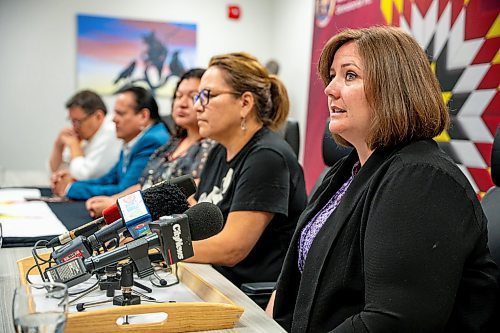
[(291, 133), (491, 208), (332, 153), (491, 201)]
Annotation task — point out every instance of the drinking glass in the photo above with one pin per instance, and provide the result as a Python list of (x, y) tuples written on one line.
[(40, 307)]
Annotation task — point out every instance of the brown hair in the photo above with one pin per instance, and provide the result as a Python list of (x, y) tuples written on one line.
[(244, 72), (194, 73), (399, 85)]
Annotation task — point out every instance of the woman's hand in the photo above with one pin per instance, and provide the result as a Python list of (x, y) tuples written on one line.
[(96, 205), (60, 181), (270, 304), (238, 237)]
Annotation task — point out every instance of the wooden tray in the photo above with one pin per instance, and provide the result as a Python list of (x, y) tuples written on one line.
[(216, 312)]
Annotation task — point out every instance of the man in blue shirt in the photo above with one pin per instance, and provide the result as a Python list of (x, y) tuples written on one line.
[(139, 125)]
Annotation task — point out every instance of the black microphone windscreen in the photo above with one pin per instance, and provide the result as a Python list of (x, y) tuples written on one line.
[(164, 199), (185, 183), (205, 220)]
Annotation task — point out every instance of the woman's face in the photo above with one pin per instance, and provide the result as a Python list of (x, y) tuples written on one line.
[(183, 112), (220, 118), (350, 114)]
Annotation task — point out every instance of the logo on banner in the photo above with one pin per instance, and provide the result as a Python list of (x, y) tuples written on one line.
[(324, 12), (325, 9)]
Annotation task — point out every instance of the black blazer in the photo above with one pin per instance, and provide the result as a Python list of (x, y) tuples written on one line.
[(405, 250)]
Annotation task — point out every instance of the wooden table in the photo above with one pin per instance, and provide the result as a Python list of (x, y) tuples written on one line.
[(254, 319)]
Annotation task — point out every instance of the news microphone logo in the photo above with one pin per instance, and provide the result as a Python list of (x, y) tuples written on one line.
[(175, 243), (177, 237), (135, 214), (77, 248), (77, 253)]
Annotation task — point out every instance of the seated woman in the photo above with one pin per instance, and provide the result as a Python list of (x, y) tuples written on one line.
[(394, 239), (184, 154), (252, 175)]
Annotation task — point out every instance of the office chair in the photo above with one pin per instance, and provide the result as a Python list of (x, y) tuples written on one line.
[(331, 152), (491, 201), (291, 133), (491, 207)]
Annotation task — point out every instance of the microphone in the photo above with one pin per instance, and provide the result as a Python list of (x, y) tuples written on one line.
[(152, 196), (88, 228), (171, 233), (161, 200), (185, 183), (199, 222)]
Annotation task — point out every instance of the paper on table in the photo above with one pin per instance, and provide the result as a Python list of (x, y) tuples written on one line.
[(29, 219), (9, 195)]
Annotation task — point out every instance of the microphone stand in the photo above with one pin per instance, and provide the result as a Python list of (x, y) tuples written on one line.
[(111, 282), (126, 281)]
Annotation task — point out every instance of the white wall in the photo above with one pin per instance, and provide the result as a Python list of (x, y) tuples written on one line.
[(292, 27), (38, 59)]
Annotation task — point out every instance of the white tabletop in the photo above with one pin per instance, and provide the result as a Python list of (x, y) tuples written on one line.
[(254, 319)]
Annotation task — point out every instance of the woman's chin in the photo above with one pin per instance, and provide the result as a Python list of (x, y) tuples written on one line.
[(336, 128), (203, 130)]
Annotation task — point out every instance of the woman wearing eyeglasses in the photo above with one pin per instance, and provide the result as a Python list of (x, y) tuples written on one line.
[(253, 175), (184, 154)]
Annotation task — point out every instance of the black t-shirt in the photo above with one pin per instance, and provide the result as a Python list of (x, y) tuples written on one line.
[(264, 176)]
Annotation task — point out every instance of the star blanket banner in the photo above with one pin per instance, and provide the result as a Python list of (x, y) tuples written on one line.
[(462, 39)]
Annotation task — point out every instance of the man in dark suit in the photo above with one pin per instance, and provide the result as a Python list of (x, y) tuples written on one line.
[(139, 125)]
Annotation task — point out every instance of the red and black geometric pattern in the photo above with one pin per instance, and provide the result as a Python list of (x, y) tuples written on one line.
[(462, 40)]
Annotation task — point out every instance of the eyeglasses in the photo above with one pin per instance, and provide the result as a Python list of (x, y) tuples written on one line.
[(205, 94), (79, 122)]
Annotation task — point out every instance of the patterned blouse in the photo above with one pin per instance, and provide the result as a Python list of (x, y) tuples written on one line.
[(161, 166), (312, 228)]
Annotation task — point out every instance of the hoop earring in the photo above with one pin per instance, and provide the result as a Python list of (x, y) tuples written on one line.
[(243, 124)]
